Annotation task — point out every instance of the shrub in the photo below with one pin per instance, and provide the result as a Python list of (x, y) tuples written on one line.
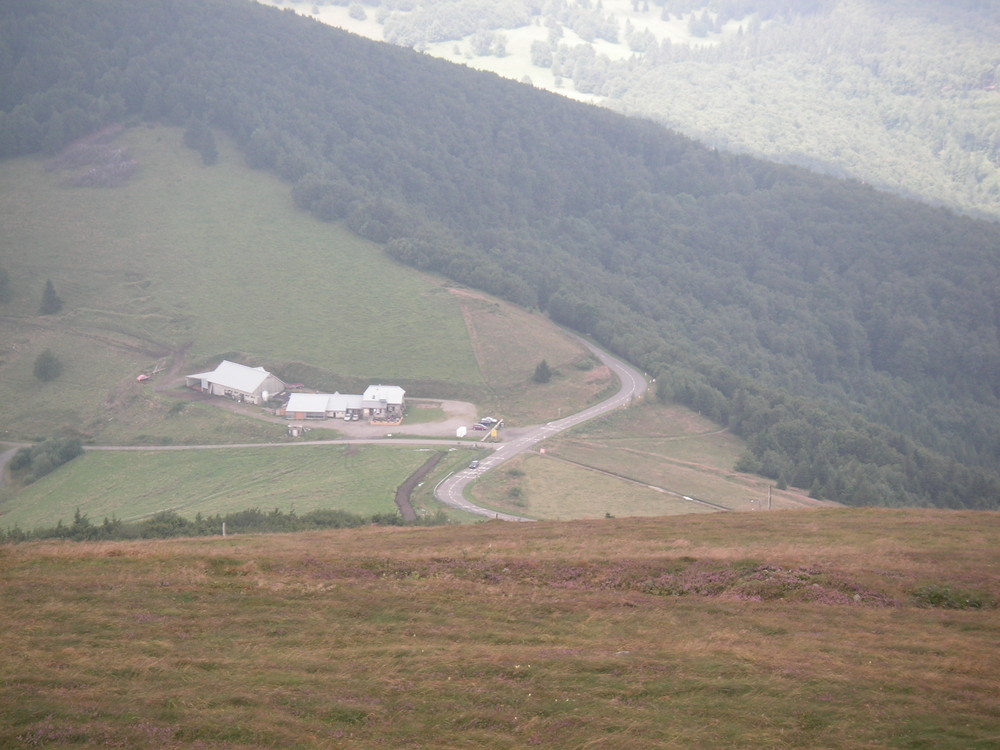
[(945, 597), (35, 462), (47, 366)]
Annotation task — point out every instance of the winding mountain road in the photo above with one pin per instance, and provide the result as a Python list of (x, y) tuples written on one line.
[(451, 491)]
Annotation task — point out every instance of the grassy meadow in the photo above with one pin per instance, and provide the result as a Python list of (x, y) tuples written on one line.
[(201, 262), (767, 630), (132, 485), (509, 342), (546, 488), (638, 462)]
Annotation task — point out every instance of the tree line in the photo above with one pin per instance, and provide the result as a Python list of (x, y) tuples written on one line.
[(169, 524), (762, 295)]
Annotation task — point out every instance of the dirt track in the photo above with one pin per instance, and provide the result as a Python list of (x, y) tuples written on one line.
[(406, 488)]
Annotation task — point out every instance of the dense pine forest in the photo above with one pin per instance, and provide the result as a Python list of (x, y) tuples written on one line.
[(850, 336)]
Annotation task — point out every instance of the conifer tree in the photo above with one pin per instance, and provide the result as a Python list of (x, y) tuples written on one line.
[(51, 302), (543, 373)]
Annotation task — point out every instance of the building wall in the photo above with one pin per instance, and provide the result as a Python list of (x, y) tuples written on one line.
[(272, 385)]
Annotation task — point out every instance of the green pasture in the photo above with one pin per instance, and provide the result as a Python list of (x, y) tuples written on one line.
[(161, 420), (208, 261), (717, 484), (130, 485)]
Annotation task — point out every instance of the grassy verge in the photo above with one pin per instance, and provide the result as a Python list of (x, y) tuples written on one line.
[(424, 413), (423, 499)]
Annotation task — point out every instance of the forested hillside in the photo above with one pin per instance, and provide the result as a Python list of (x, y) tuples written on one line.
[(850, 336), (899, 93), (902, 94)]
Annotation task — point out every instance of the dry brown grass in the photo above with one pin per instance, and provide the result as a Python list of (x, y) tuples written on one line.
[(640, 461), (548, 488), (509, 342), (510, 636)]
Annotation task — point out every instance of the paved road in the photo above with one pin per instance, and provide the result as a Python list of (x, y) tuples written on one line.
[(451, 491)]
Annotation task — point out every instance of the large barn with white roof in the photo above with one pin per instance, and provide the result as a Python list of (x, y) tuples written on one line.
[(253, 385)]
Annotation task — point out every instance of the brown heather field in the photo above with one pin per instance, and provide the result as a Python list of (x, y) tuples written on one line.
[(789, 629)]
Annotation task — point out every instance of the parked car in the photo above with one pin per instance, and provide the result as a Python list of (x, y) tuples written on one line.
[(488, 421), (480, 427), (474, 465)]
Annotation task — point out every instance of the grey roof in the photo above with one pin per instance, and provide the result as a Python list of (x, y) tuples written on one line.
[(308, 402), (314, 403)]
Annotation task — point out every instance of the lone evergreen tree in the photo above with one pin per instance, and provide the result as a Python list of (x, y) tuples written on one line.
[(543, 373), (47, 366), (51, 302)]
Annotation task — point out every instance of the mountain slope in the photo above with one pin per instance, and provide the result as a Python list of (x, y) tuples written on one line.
[(827, 629), (186, 264), (902, 95), (768, 298)]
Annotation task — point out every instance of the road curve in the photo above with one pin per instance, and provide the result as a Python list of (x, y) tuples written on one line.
[(451, 491)]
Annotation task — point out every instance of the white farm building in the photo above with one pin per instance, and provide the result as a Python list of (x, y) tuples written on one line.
[(379, 403), (323, 406), (238, 382)]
